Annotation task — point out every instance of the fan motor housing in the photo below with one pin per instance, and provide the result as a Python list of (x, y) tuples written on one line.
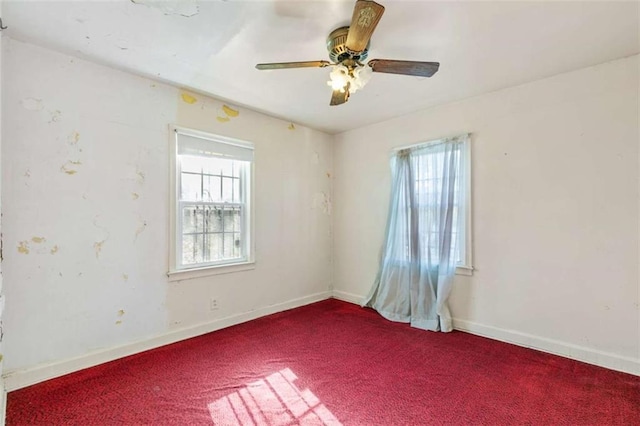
[(336, 45)]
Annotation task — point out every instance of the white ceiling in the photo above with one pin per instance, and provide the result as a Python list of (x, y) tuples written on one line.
[(212, 47)]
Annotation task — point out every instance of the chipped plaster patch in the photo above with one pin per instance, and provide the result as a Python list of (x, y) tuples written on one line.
[(125, 277), (120, 312), (291, 126), (23, 247), (32, 104), (118, 322), (188, 98), (54, 249), (38, 240), (135, 195)]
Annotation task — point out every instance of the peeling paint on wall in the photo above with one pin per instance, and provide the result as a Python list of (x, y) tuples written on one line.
[(97, 247), (55, 116), (188, 98), (23, 247), (315, 158), (32, 104), (142, 225), (73, 138), (67, 168), (140, 176), (322, 201)]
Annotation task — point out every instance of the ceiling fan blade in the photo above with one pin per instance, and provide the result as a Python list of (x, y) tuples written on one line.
[(285, 65), (422, 69), (338, 97), (366, 16)]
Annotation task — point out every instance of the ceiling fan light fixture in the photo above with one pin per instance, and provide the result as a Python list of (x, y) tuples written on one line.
[(338, 77), (354, 78)]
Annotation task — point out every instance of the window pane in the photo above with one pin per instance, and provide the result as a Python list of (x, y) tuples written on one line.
[(227, 188), (211, 185), (229, 244), (190, 163), (237, 246), (192, 219), (191, 189), (214, 247), (214, 221), (236, 191), (192, 249), (231, 220)]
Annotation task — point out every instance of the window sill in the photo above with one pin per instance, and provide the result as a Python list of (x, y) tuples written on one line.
[(189, 274), (464, 270)]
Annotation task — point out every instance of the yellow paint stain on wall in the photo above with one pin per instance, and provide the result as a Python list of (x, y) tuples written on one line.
[(223, 119), (230, 111), (291, 126), (65, 168), (125, 277), (188, 98), (54, 250), (121, 312), (135, 195), (23, 247), (118, 322), (38, 240)]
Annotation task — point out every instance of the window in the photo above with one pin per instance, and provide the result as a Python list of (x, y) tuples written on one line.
[(211, 202), (428, 171)]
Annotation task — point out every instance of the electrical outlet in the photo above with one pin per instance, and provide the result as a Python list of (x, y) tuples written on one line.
[(213, 304)]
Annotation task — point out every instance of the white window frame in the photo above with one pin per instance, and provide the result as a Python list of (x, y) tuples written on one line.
[(465, 267), (176, 271)]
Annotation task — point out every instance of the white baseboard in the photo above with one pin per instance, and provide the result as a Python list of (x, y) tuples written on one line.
[(348, 297), (556, 347), (22, 378)]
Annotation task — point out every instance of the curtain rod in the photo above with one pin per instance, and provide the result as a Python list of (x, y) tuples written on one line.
[(430, 142)]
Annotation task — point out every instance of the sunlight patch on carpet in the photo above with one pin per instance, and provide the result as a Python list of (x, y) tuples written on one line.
[(274, 400)]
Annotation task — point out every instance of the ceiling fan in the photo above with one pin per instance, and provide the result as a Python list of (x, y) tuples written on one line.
[(348, 49)]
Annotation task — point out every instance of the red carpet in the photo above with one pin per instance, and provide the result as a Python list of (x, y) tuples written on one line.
[(333, 363)]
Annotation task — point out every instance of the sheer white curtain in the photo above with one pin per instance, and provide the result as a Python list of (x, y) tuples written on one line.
[(420, 250)]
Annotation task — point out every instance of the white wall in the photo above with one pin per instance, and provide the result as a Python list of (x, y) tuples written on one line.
[(2, 300), (555, 193), (81, 247)]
